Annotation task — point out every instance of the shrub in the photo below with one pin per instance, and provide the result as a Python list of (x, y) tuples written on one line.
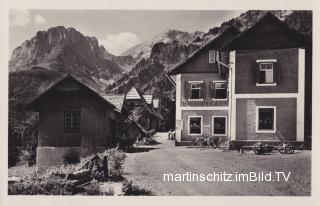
[(92, 189), (115, 162), (51, 185), (27, 157), (129, 189), (109, 191)]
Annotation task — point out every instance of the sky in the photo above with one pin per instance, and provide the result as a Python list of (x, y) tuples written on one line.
[(116, 30)]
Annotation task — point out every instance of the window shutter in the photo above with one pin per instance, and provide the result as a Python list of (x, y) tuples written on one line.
[(256, 73), (276, 73), (202, 90), (213, 90), (212, 56), (218, 56), (187, 90)]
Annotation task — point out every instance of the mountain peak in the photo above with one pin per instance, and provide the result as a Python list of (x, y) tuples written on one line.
[(65, 50), (143, 50)]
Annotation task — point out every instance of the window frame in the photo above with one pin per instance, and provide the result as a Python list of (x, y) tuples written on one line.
[(212, 53), (226, 125), (71, 130), (201, 126), (199, 89), (220, 81), (264, 62), (274, 119)]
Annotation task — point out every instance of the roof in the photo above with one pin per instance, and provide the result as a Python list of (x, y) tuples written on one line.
[(267, 17), (116, 99), (223, 42), (216, 43), (31, 105), (133, 94), (125, 125), (148, 98)]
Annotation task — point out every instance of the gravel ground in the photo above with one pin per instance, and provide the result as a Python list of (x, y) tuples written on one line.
[(147, 166)]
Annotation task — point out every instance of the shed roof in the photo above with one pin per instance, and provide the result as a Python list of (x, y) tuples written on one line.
[(148, 98), (32, 104), (125, 125), (116, 99), (133, 94)]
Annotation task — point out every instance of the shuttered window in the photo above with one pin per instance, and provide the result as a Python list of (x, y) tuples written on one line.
[(195, 91), (219, 90), (267, 73), (266, 70), (72, 121), (212, 56)]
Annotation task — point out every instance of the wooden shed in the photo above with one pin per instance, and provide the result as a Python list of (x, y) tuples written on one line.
[(74, 120)]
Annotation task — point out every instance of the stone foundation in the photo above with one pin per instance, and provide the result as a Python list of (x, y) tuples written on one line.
[(55, 156)]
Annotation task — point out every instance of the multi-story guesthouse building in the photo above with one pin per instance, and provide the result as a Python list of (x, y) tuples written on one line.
[(246, 86)]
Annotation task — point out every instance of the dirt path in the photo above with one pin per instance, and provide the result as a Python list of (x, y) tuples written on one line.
[(146, 169)]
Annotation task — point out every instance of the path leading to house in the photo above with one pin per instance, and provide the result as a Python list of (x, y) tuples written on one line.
[(147, 167)]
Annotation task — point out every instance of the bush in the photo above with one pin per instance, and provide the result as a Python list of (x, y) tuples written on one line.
[(22, 139), (93, 189), (129, 189), (50, 185), (115, 162)]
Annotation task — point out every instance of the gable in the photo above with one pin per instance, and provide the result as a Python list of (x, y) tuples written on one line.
[(69, 85), (116, 99), (268, 33), (66, 85), (148, 98), (133, 94), (198, 62)]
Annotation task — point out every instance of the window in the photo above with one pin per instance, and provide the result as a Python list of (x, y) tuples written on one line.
[(212, 56), (195, 90), (195, 125), (266, 119), (71, 121), (266, 72), (219, 90), (219, 125)]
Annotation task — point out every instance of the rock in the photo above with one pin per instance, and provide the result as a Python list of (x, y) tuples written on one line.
[(81, 181), (79, 174), (12, 180)]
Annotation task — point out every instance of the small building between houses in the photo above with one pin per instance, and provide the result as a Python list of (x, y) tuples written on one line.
[(141, 109), (74, 121)]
